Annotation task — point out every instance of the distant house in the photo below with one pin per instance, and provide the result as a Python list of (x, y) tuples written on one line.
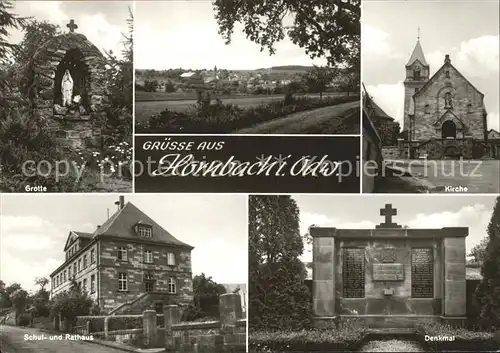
[(372, 148), (191, 77), (494, 142)]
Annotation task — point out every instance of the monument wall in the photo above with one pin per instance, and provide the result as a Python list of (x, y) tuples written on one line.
[(389, 276)]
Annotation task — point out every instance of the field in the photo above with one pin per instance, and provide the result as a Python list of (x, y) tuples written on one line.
[(342, 118), (147, 103)]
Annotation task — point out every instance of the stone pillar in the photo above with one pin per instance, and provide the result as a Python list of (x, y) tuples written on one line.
[(57, 322), (454, 288), (230, 309), (323, 274), (106, 326), (149, 327), (88, 327), (171, 316)]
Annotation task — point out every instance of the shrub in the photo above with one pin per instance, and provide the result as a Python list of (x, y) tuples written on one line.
[(96, 323), (217, 117), (124, 323), (24, 320)]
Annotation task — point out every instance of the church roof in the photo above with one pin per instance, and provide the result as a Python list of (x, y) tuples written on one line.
[(122, 224), (438, 72), (418, 54)]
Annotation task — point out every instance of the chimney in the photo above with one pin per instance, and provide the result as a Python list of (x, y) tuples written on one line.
[(447, 59), (122, 202)]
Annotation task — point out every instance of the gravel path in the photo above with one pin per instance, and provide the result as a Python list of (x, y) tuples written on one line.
[(392, 346)]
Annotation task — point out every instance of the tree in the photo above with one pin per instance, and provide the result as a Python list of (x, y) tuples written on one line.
[(324, 28), (489, 289), (478, 252), (20, 300), (70, 304), (279, 299), (318, 79), (206, 293), (40, 299), (8, 20)]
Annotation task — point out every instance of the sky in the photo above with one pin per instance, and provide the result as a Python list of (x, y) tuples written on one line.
[(184, 34), (102, 22), (466, 30), (414, 211), (34, 229)]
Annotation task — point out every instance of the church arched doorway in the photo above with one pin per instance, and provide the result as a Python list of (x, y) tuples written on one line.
[(449, 129)]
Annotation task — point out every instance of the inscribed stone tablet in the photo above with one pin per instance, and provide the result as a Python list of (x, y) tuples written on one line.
[(388, 272), (422, 273), (353, 272)]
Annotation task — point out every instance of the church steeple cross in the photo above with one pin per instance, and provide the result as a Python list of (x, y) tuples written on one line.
[(418, 33), (388, 212), (72, 25)]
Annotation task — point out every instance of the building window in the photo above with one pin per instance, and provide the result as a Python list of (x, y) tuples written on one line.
[(64, 276), (74, 269), (80, 285), (85, 285), (150, 286), (56, 281), (148, 256), (69, 272), (122, 281), (79, 265), (171, 259), (145, 232), (171, 285), (122, 254), (469, 108), (92, 256), (447, 73), (85, 261), (148, 276), (416, 74), (92, 284), (159, 308)]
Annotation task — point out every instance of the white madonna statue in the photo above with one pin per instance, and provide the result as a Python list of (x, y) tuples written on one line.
[(67, 89)]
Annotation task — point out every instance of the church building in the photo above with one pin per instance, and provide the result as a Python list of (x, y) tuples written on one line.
[(444, 115), (127, 265)]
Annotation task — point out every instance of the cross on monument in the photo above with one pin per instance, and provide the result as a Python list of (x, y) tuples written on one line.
[(388, 212), (72, 26)]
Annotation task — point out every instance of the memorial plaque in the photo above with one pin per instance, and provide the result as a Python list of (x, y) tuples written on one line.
[(353, 272), (422, 273), (388, 272)]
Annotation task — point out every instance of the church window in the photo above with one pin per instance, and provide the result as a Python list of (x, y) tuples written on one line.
[(416, 74), (447, 73), (171, 285), (122, 253), (92, 284), (171, 259), (92, 256), (427, 109), (148, 256), (122, 281)]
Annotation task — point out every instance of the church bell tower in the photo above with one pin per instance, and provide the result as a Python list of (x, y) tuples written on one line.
[(417, 74)]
